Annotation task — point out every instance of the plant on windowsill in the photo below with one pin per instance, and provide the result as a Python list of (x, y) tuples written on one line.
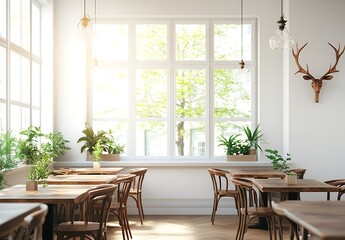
[(253, 137), (96, 154), (236, 149), (112, 148)]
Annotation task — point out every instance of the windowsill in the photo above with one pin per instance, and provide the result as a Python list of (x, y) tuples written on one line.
[(160, 163)]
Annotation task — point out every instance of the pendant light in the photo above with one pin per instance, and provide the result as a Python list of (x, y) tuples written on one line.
[(84, 23), (282, 38), (241, 63)]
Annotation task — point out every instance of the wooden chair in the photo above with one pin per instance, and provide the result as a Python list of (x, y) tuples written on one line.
[(250, 208), (94, 224), (31, 228), (220, 183), (137, 189), (338, 183), (119, 207)]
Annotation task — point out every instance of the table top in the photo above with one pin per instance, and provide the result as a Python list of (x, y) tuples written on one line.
[(303, 185), (246, 172), (104, 171), (325, 219), (81, 179), (52, 194), (12, 215)]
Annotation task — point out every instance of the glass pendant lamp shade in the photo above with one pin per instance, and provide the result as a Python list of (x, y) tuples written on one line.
[(281, 39)]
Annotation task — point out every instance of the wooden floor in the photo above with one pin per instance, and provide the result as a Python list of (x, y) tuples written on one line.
[(184, 228)]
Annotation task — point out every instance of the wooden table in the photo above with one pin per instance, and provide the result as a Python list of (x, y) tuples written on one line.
[(51, 195), (261, 173), (101, 171), (324, 219), (80, 179), (12, 215), (267, 186)]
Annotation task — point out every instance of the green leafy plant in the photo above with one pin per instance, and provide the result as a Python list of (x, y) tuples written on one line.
[(55, 144), (253, 137), (28, 146), (8, 146), (39, 169), (111, 146), (279, 162), (233, 145), (97, 151), (90, 139)]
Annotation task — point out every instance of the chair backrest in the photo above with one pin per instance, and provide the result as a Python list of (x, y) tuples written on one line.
[(99, 201), (338, 183), (124, 184), (219, 178), (247, 196), (139, 179), (33, 223)]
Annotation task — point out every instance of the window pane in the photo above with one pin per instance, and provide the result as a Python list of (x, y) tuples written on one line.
[(36, 30), (20, 23), (227, 42), (190, 138), (190, 41), (190, 93), (232, 93), (151, 94), (2, 72), (226, 129), (3, 18), (112, 42), (151, 138), (2, 116), (36, 120), (36, 82), (152, 41), (110, 93), (20, 78)]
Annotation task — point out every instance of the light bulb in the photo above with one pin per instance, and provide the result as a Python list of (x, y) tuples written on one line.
[(281, 40)]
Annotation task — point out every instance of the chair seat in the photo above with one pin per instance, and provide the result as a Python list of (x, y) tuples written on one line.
[(230, 193), (261, 211), (77, 226)]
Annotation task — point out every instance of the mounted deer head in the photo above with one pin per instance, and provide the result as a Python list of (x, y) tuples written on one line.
[(317, 83)]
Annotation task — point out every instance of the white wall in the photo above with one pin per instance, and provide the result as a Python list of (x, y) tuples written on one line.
[(314, 135)]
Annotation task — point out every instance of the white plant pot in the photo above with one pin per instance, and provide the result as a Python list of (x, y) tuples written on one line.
[(96, 165), (291, 179)]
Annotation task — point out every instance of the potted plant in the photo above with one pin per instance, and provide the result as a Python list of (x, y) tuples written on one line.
[(280, 164), (39, 170), (112, 148), (253, 138), (28, 145), (96, 154), (236, 149), (90, 139)]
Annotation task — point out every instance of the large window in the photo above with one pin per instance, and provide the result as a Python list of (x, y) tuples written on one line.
[(20, 64), (169, 88)]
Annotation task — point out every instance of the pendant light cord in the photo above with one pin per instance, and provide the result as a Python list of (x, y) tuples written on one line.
[(281, 8), (84, 7), (241, 29)]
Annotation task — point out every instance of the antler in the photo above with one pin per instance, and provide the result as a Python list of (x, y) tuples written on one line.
[(333, 69), (307, 75)]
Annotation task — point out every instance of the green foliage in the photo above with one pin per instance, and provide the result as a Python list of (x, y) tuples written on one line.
[(105, 139), (2, 179), (39, 169), (97, 151), (8, 148), (90, 139), (55, 145), (28, 146), (233, 145), (279, 163), (111, 146), (253, 137)]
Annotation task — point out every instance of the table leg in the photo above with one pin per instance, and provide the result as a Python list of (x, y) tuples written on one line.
[(48, 226)]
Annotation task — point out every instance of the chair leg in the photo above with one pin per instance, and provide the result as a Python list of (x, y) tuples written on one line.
[(239, 227), (141, 205), (214, 209)]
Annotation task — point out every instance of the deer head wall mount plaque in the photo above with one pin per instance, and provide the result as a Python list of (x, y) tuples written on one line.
[(317, 83)]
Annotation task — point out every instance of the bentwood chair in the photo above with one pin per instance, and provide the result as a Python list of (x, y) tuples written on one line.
[(31, 228), (338, 183), (250, 208), (95, 219), (220, 183), (137, 189), (119, 206), (300, 175)]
